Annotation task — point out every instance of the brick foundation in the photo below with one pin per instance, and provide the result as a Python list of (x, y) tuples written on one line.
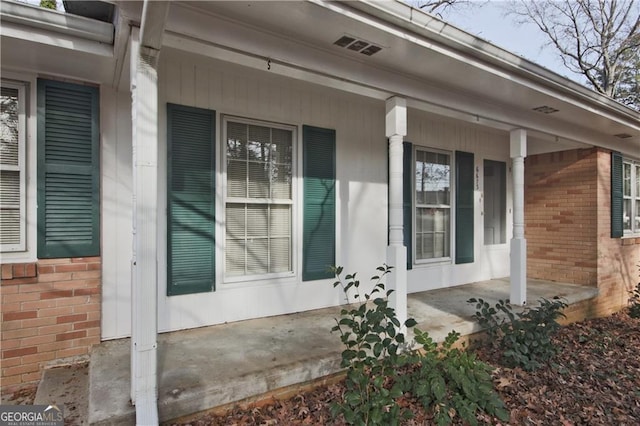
[(568, 229), (50, 312)]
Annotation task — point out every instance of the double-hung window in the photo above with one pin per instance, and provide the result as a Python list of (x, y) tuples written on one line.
[(259, 197), (432, 188), (631, 197), (12, 167)]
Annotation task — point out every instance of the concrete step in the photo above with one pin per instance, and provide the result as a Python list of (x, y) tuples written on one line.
[(68, 386)]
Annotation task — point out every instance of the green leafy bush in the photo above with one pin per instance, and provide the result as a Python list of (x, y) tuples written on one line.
[(634, 302), (451, 382), (372, 349), (524, 339), (380, 367)]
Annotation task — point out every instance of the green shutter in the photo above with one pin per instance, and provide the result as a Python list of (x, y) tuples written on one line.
[(464, 207), (616, 195), (319, 171), (190, 200), (407, 198), (68, 170)]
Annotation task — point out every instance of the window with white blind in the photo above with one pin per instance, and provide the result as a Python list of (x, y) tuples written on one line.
[(12, 167), (259, 197), (432, 204), (631, 197)]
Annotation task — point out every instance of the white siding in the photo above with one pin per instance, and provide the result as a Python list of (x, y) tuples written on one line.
[(361, 216), (451, 135), (116, 218)]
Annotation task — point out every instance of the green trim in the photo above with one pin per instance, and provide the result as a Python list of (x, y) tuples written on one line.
[(464, 207), (617, 226), (190, 200), (68, 170), (407, 200), (319, 227)]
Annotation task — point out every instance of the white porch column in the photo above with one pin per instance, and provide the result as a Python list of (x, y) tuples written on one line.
[(396, 129), (518, 242), (145, 49)]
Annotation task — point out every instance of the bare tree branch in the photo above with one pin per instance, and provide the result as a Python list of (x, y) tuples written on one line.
[(596, 38)]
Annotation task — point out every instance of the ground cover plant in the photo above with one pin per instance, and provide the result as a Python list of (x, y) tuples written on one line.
[(594, 379)]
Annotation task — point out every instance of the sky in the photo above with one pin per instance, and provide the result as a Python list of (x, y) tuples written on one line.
[(487, 20)]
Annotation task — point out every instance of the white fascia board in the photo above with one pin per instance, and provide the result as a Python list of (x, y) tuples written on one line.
[(66, 41), (414, 25), (52, 21)]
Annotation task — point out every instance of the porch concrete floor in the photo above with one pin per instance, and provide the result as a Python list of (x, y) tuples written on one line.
[(207, 367)]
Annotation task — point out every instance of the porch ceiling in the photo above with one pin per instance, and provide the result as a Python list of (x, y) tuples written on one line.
[(497, 87)]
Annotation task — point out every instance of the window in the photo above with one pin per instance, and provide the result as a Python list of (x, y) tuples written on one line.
[(259, 197), (432, 204), (631, 197), (495, 202), (12, 167)]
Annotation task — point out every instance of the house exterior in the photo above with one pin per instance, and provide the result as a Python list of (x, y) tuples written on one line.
[(171, 165)]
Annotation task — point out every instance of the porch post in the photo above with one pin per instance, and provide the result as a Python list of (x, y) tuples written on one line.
[(396, 129), (145, 50), (518, 150)]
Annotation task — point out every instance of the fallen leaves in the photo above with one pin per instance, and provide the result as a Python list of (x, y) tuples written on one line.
[(594, 379)]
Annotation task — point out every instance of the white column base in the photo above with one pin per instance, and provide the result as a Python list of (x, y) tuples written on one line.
[(518, 291), (397, 281)]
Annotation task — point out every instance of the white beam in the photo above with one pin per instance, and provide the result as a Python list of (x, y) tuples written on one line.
[(518, 152), (145, 50), (395, 130)]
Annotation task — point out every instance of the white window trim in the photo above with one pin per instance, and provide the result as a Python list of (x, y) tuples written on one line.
[(451, 206), (295, 243), (635, 169), (21, 168)]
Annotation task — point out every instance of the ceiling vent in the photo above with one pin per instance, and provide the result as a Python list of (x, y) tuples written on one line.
[(545, 109), (357, 45), (623, 135)]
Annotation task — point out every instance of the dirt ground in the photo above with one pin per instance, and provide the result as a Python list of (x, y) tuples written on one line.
[(594, 380)]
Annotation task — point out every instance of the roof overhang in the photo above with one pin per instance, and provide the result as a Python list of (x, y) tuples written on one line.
[(436, 67)]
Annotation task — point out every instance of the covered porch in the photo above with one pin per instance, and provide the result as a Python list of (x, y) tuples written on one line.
[(208, 367)]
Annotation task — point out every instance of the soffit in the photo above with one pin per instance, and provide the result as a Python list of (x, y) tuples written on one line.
[(314, 27)]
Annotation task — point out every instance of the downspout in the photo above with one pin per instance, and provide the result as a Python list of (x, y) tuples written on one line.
[(145, 51)]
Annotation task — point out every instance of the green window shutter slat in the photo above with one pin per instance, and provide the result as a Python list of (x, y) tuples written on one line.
[(319, 227), (616, 196), (191, 200), (68, 170), (407, 200), (464, 207)]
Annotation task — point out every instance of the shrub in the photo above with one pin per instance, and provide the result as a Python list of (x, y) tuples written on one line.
[(369, 333), (634, 302), (524, 339), (448, 382), (452, 383)]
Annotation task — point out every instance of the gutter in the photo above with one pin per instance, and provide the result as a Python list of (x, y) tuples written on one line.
[(57, 22), (415, 21)]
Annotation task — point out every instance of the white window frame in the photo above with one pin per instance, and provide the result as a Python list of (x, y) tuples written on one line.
[(415, 206), (633, 197), (21, 168), (293, 202)]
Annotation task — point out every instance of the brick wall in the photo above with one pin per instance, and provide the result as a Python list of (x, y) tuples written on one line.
[(568, 229), (561, 216), (618, 258), (50, 312)]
